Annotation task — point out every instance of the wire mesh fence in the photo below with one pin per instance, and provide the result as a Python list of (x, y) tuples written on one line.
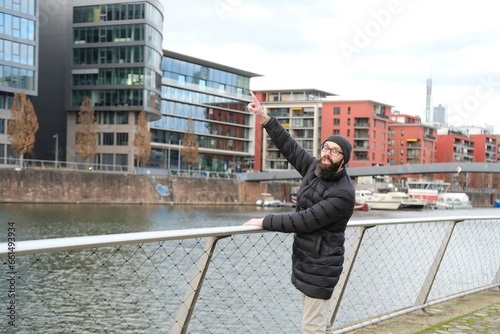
[(143, 287)]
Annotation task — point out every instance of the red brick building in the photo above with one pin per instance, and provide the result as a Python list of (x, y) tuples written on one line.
[(454, 146), (410, 142), (364, 123), (485, 148)]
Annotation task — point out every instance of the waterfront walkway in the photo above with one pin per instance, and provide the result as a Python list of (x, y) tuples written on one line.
[(475, 313)]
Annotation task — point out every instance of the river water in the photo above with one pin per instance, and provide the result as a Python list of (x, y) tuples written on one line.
[(69, 285), (42, 221)]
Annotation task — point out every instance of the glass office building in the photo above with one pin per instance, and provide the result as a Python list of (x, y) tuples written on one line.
[(18, 61), (110, 52), (214, 97)]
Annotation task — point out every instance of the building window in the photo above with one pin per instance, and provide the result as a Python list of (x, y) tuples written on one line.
[(348, 121), (2, 126), (348, 110), (402, 132), (373, 145), (336, 132), (108, 138), (122, 139), (348, 132), (107, 161), (336, 121), (108, 117), (121, 162), (336, 111), (122, 117), (373, 156), (373, 134)]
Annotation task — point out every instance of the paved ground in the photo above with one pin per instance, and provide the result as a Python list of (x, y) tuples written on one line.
[(476, 313)]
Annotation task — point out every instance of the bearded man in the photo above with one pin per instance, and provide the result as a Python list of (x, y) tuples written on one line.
[(325, 203)]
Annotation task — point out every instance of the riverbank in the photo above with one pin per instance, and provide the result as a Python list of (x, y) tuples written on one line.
[(70, 186), (67, 186)]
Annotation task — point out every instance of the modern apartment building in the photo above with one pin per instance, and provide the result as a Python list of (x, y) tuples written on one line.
[(300, 112), (410, 141), (214, 98), (109, 51), (485, 147), (453, 145), (365, 123), (18, 61)]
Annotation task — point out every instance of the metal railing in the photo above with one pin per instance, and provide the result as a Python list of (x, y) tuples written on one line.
[(52, 164), (91, 167), (236, 279)]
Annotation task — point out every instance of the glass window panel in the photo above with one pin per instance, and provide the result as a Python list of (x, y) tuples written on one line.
[(108, 138), (122, 139)]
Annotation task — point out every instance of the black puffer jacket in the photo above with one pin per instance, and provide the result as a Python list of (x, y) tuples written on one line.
[(322, 212)]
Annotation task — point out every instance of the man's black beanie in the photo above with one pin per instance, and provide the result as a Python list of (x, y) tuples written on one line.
[(344, 144)]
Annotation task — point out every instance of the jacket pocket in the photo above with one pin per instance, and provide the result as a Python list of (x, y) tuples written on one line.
[(317, 246)]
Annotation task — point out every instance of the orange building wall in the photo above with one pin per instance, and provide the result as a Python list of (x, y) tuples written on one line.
[(480, 147), (358, 109)]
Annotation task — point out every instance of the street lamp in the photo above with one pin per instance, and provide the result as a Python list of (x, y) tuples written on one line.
[(56, 136)]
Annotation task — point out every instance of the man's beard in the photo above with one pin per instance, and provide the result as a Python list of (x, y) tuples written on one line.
[(327, 171)]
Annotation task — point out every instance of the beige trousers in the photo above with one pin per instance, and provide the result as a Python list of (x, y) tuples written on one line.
[(316, 316)]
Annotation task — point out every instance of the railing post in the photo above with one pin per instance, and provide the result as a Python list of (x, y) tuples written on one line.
[(431, 275), (496, 280), (193, 290), (339, 290)]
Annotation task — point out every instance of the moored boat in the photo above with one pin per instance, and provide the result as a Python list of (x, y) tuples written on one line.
[(361, 207), (267, 200), (437, 195), (378, 201)]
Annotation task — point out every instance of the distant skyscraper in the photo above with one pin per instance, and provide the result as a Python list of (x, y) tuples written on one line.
[(440, 114), (428, 102)]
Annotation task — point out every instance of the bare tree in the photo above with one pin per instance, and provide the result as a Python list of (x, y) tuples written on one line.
[(22, 126), (142, 139), (190, 144), (86, 130)]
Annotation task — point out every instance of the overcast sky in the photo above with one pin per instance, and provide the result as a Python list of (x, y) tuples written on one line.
[(365, 49)]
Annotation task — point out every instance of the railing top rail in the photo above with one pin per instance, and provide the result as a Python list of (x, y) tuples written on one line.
[(73, 243)]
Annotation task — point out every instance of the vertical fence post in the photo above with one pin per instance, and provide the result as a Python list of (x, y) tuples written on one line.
[(339, 290), (496, 280), (431, 275), (193, 290)]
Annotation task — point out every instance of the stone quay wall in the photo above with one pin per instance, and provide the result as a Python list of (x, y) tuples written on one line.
[(66, 186)]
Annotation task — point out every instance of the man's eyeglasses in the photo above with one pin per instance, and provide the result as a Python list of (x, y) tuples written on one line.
[(333, 151)]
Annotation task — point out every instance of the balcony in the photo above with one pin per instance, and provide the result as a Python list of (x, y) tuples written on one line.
[(361, 124)]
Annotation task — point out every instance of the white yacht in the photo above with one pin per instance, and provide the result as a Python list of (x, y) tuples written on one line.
[(379, 201)]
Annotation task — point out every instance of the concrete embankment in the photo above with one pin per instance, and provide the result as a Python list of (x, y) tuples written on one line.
[(67, 186)]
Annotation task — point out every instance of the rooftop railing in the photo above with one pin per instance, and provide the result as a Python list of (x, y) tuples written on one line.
[(236, 279)]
